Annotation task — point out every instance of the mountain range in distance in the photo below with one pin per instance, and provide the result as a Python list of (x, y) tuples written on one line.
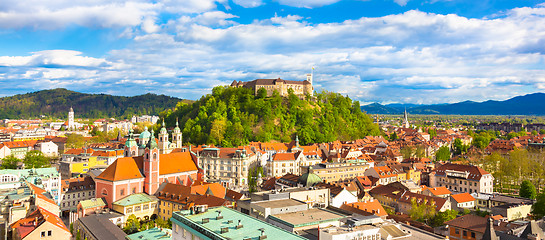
[(57, 102), (531, 104)]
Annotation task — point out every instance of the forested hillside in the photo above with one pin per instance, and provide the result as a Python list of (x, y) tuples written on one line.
[(57, 102), (234, 116)]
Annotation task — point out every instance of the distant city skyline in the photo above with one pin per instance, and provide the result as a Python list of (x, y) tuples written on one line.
[(386, 51)]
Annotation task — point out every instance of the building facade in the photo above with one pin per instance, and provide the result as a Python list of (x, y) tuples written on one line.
[(280, 85)]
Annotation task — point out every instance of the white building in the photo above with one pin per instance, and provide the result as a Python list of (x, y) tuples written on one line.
[(47, 178), (343, 197), (462, 178), (49, 149)]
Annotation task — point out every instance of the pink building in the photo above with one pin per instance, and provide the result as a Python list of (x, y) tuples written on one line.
[(136, 174)]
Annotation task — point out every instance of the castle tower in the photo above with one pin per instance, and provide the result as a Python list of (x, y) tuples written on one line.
[(131, 147), (163, 139), (177, 135), (309, 78), (71, 125), (151, 166)]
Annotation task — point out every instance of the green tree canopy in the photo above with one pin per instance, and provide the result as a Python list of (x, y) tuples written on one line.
[(527, 190), (10, 162), (538, 209), (235, 116), (36, 159), (442, 154)]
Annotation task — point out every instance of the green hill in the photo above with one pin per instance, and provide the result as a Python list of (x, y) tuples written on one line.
[(57, 102), (234, 116)]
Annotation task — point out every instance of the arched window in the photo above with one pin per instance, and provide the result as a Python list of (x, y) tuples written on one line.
[(104, 192), (155, 156)]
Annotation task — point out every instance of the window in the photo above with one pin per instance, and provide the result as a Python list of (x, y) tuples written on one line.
[(465, 233), (133, 190), (456, 231), (145, 207), (49, 233), (128, 210), (472, 234), (137, 209), (42, 234)]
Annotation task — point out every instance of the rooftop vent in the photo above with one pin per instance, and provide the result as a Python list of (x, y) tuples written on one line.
[(205, 220), (224, 229)]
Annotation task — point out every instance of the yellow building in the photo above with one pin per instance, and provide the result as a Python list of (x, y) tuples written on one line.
[(337, 172), (142, 205)]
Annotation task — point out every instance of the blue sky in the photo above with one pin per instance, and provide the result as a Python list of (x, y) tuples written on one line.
[(387, 51)]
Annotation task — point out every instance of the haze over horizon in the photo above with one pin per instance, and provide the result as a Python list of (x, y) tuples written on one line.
[(386, 51)]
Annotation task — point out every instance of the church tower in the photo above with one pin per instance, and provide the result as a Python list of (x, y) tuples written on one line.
[(131, 147), (163, 139), (177, 136), (406, 119), (71, 125), (151, 166)]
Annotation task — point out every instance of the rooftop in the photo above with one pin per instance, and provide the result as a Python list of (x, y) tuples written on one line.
[(251, 227), (279, 203), (133, 199), (151, 234), (308, 217)]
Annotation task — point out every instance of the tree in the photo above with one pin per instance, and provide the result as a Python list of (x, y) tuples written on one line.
[(420, 151), (422, 212), (527, 190), (36, 159), (442, 154), (407, 152), (75, 141), (131, 225), (458, 147), (394, 136), (542, 131), (538, 209), (534, 132), (78, 236), (441, 217), (10, 162), (261, 93)]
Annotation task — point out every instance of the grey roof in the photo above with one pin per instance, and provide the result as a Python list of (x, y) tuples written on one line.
[(102, 228), (533, 228)]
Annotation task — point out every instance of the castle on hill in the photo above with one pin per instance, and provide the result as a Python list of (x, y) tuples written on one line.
[(280, 85)]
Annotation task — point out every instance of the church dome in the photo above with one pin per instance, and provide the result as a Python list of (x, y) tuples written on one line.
[(145, 134), (152, 143), (309, 179)]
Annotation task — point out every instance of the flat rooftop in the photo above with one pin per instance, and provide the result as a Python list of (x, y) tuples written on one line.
[(307, 217), (279, 203), (212, 227)]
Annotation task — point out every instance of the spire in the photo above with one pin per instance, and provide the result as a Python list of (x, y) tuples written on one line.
[(152, 143), (296, 140), (163, 128)]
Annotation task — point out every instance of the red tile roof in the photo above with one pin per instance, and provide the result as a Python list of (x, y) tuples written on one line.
[(121, 169), (365, 208), (438, 190), (26, 225), (463, 197), (284, 157), (475, 173)]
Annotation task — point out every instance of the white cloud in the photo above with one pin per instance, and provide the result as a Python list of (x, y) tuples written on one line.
[(401, 2), (307, 3), (415, 56), (52, 58), (248, 3)]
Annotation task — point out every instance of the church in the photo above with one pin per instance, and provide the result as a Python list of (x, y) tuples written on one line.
[(145, 166)]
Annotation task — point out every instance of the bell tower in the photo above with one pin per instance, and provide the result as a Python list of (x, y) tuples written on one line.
[(177, 135), (151, 166), (163, 139)]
